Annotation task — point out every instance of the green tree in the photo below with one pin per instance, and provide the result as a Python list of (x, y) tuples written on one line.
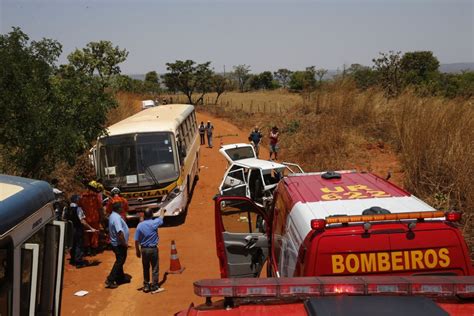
[(220, 84), (388, 68), (320, 73), (418, 67), (189, 77), (49, 114), (253, 82), (266, 80), (263, 80), (303, 80), (152, 77), (283, 76), (99, 58), (363, 76), (242, 74)]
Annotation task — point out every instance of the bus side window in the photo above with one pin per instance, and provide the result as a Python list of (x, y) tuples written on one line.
[(6, 278), (188, 130)]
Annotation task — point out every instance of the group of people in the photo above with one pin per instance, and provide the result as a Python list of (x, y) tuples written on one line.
[(207, 130), (256, 136), (91, 213)]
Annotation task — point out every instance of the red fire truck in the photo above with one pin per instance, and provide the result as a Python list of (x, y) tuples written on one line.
[(338, 224), (339, 243)]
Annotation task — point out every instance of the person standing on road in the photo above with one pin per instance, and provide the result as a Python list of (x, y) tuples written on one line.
[(274, 134), (202, 131), (92, 207), (119, 233), (117, 198), (255, 137), (146, 246), (76, 215), (209, 131)]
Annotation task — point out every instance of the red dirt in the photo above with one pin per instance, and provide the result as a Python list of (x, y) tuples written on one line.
[(195, 244)]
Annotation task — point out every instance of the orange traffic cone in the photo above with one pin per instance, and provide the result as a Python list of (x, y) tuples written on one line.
[(175, 266)]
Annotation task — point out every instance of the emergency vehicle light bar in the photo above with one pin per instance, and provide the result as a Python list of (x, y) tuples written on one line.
[(437, 286), (385, 217)]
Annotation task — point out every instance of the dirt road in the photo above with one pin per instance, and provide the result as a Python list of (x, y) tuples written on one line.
[(195, 243)]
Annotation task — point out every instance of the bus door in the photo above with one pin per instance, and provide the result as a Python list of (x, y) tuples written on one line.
[(41, 271), (241, 239)]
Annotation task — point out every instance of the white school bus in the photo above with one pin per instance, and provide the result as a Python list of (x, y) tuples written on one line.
[(152, 157)]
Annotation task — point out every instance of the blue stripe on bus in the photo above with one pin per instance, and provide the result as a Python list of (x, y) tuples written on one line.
[(16, 208)]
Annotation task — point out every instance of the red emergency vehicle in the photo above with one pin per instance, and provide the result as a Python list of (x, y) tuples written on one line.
[(335, 296), (340, 243), (342, 223)]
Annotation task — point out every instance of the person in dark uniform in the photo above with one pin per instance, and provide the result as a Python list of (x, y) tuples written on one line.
[(202, 131), (77, 217)]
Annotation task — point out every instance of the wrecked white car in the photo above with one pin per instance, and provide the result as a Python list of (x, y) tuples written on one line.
[(251, 177)]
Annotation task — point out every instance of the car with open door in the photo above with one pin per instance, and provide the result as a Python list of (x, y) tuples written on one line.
[(250, 177)]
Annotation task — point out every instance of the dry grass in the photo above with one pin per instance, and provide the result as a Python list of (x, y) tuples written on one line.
[(341, 128), (128, 104), (277, 101)]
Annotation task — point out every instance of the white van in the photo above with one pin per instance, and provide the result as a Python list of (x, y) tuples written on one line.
[(148, 104)]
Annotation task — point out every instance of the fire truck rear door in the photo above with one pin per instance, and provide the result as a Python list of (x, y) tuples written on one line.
[(240, 228)]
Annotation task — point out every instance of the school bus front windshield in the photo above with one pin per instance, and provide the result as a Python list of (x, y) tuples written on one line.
[(137, 160)]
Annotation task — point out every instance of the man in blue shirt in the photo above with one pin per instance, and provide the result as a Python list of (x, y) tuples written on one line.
[(255, 137), (118, 231), (146, 246)]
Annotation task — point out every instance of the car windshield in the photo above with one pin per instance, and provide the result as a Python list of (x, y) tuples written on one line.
[(240, 153), (138, 159)]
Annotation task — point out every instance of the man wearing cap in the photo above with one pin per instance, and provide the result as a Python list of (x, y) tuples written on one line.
[(119, 233), (146, 246)]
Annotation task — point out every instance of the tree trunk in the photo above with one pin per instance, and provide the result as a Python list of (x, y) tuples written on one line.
[(217, 98)]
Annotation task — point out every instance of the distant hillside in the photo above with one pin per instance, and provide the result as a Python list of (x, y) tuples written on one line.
[(456, 67)]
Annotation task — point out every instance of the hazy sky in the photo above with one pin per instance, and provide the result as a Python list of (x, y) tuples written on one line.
[(264, 34)]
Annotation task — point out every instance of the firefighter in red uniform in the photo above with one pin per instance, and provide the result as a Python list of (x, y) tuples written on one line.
[(92, 207), (116, 198)]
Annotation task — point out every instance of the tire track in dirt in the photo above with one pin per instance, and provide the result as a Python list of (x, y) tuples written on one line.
[(195, 241)]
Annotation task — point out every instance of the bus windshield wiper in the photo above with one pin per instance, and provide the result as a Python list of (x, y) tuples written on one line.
[(148, 171)]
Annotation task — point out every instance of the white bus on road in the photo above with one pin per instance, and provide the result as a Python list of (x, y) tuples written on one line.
[(152, 157)]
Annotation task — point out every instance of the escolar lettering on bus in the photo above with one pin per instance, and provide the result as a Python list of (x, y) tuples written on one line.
[(390, 261), (153, 193)]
